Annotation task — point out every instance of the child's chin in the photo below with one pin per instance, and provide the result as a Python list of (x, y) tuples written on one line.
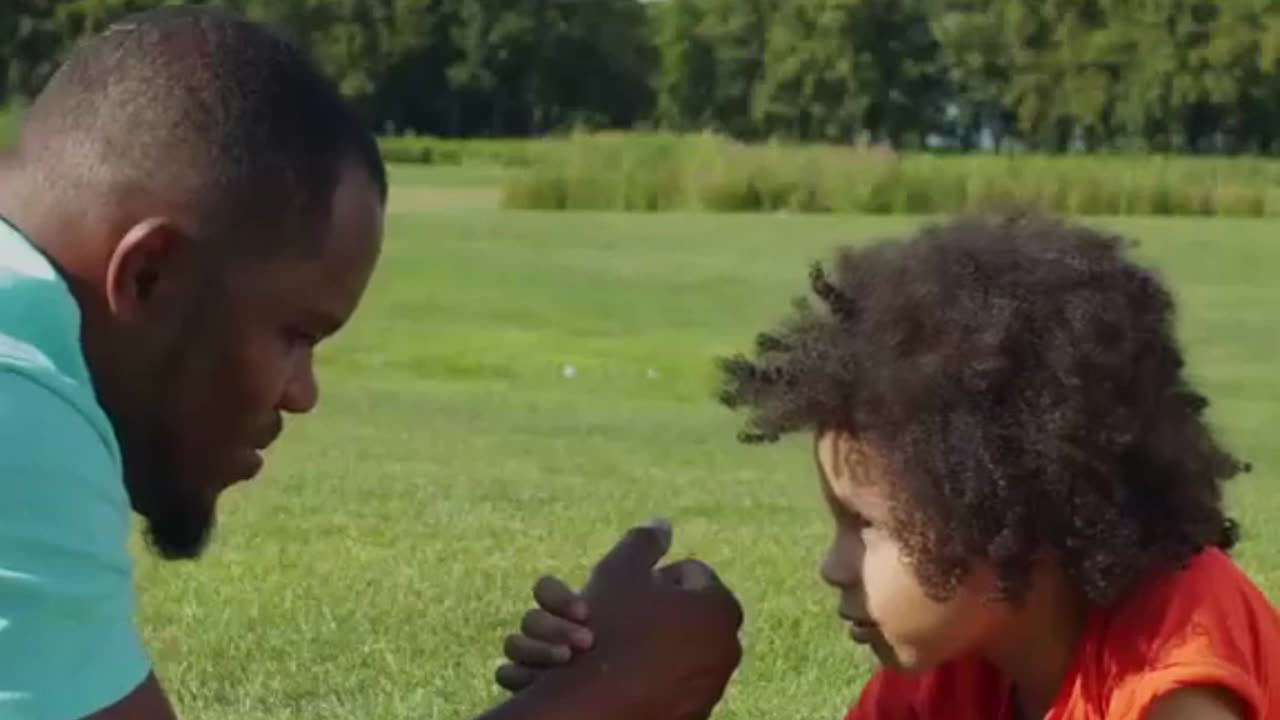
[(898, 660)]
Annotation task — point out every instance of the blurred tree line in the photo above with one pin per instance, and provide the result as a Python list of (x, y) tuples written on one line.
[(1047, 75)]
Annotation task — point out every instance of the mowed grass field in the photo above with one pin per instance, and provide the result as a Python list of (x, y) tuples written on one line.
[(374, 569)]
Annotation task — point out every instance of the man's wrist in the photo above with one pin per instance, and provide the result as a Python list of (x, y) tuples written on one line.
[(578, 691)]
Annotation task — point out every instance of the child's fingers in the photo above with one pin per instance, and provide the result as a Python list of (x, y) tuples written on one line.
[(515, 678), (555, 597), (542, 625), (527, 651)]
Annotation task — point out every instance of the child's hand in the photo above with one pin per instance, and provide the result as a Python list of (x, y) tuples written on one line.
[(549, 635)]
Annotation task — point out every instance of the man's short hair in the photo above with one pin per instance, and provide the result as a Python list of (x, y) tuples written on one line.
[(226, 117)]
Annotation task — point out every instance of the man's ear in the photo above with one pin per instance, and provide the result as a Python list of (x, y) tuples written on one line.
[(142, 265)]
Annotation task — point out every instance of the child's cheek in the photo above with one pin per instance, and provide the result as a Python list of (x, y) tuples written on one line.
[(894, 596), (882, 576)]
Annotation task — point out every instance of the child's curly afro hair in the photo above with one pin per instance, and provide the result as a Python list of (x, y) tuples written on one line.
[(1022, 379)]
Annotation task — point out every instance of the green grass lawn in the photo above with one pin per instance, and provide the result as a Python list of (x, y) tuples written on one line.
[(374, 569)]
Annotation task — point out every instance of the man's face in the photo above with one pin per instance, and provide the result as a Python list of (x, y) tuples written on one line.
[(881, 597), (234, 363)]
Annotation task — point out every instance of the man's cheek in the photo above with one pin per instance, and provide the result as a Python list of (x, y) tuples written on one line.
[(263, 370)]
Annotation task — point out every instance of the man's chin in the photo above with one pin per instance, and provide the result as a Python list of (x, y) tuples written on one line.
[(181, 535)]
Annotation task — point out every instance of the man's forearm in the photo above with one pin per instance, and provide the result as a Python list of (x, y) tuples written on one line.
[(566, 695)]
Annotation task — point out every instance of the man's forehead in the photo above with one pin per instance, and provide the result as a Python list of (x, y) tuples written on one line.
[(319, 288), (332, 278), (328, 285)]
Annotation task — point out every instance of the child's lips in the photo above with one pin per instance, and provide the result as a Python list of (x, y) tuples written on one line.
[(863, 633), (861, 629), (856, 618)]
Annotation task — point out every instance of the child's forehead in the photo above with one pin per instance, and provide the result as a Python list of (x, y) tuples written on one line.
[(850, 469)]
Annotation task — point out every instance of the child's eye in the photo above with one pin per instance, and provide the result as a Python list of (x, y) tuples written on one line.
[(855, 520)]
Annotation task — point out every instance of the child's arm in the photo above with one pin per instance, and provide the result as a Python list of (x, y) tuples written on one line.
[(1198, 703)]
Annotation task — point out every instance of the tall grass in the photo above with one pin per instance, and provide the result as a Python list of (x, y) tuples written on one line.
[(654, 172), (448, 151)]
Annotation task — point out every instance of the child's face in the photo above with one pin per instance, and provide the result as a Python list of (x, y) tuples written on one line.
[(887, 607)]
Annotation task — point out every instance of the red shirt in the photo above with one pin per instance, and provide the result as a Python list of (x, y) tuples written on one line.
[(1206, 624)]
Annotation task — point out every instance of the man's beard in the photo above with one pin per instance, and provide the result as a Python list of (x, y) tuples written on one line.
[(179, 517)]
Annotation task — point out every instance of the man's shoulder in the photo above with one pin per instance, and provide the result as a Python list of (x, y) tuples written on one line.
[(39, 316), (59, 466), (44, 408), (41, 357), (64, 510), (68, 645)]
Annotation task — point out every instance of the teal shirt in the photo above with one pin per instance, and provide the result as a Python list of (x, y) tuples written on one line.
[(68, 644)]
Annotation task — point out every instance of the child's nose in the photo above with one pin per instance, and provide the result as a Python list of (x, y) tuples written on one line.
[(835, 571)]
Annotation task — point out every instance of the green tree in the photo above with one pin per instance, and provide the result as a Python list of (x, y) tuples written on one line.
[(1163, 75), (687, 75), (809, 88), (525, 61), (838, 68), (712, 57), (900, 71), (973, 51), (414, 90)]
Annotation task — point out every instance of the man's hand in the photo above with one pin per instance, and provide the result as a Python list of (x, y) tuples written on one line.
[(664, 639)]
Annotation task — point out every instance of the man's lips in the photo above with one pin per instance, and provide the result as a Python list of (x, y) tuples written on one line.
[(269, 437)]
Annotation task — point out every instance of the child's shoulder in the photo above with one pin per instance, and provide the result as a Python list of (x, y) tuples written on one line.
[(961, 689), (1205, 623), (1170, 613)]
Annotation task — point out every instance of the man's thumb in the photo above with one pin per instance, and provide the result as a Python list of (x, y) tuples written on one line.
[(639, 549)]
